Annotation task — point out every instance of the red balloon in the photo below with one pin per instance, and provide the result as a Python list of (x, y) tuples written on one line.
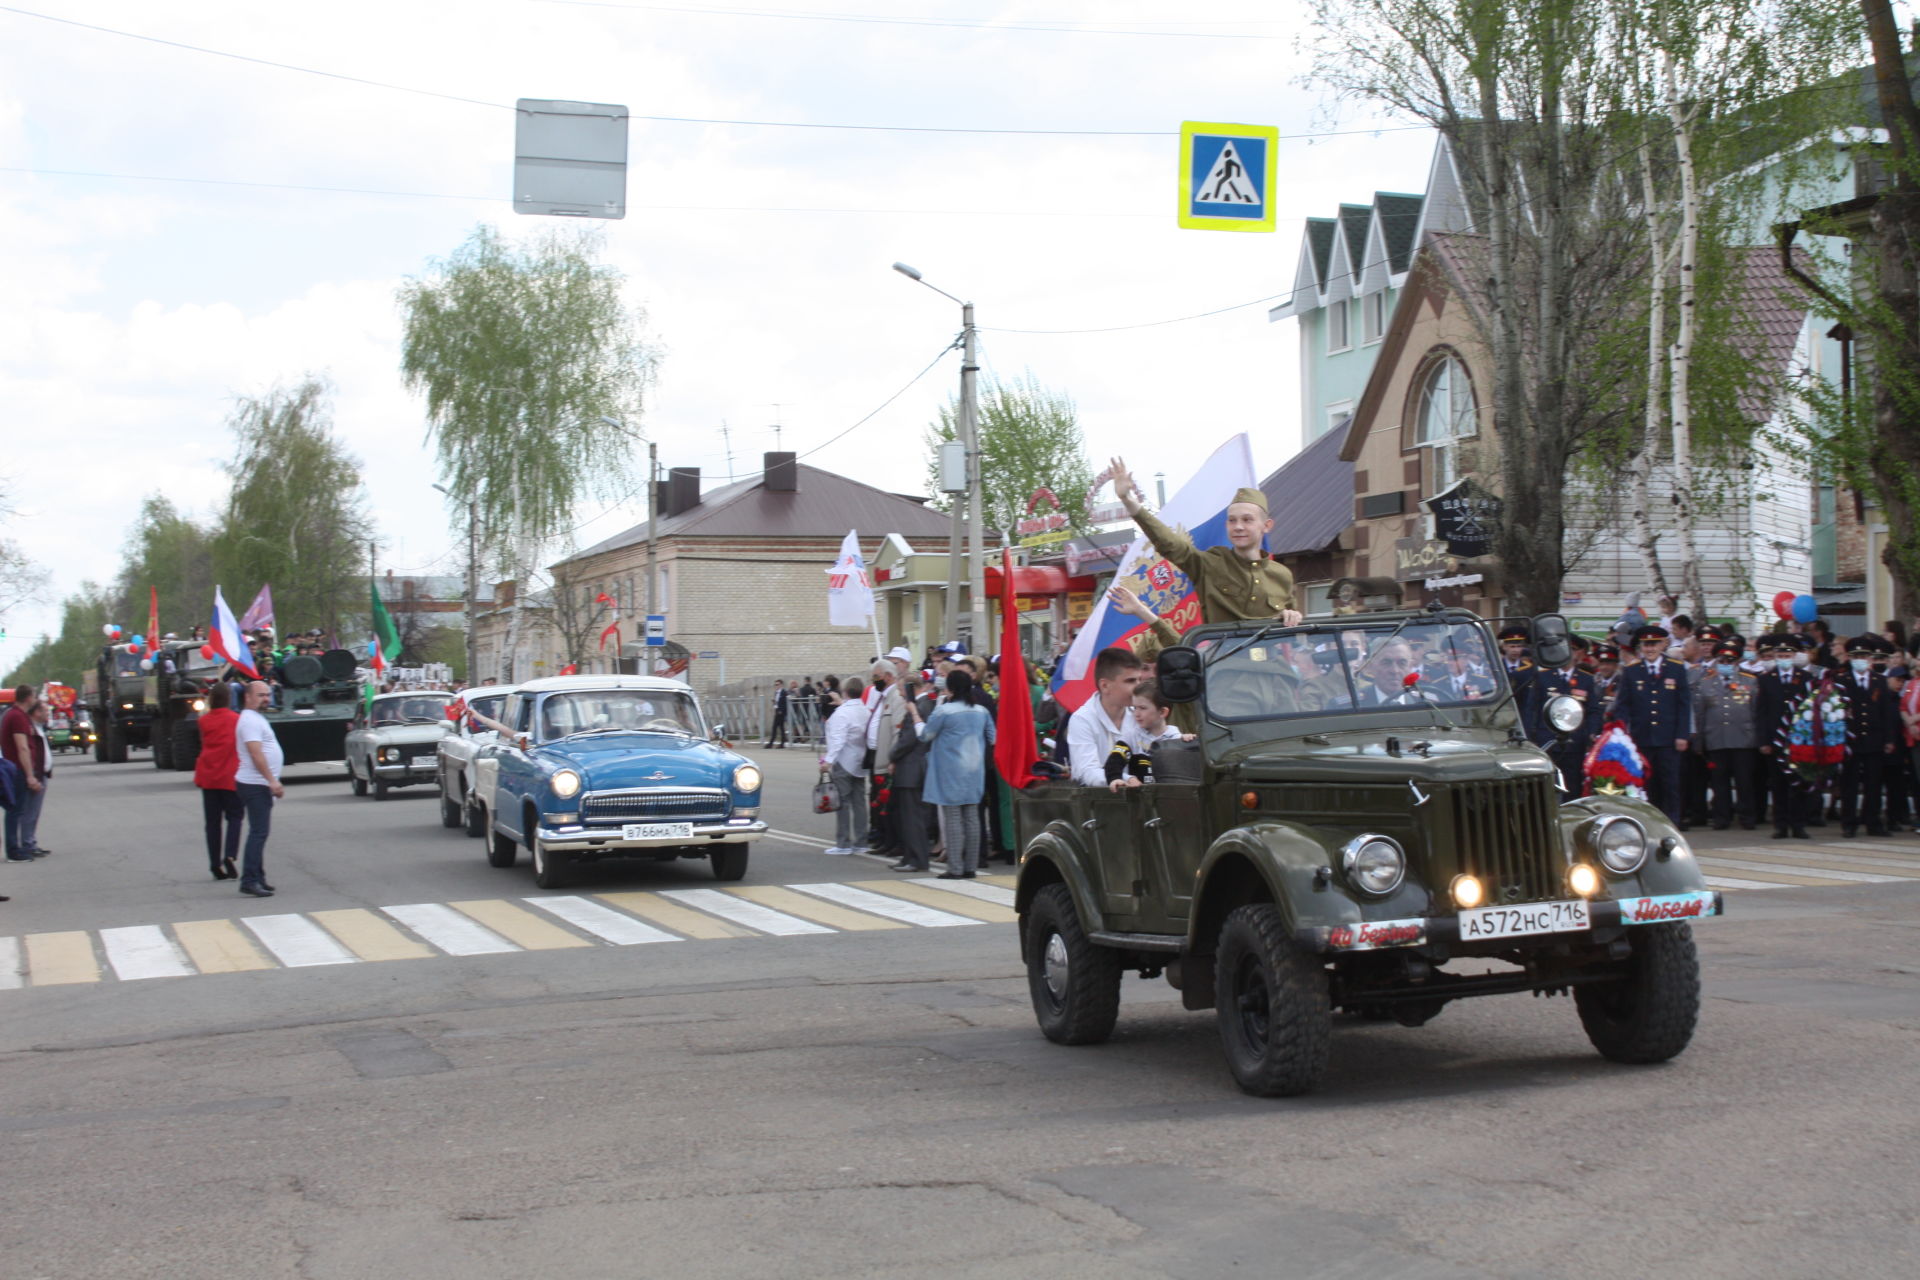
[(1783, 606), (136, 649), (206, 651)]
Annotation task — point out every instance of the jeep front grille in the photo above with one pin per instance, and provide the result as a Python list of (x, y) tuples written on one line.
[(665, 805), (1506, 836)]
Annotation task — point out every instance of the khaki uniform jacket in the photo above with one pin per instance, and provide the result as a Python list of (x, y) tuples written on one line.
[(1230, 588)]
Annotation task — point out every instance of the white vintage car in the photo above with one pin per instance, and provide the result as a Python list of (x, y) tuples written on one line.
[(454, 766), (394, 743)]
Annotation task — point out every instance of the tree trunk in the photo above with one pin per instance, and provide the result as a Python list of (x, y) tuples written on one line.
[(1680, 355), (1646, 538)]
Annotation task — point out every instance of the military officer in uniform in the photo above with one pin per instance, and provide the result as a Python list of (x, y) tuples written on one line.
[(1778, 692), (1234, 582), (1522, 676), (1656, 702), (1723, 712), (1569, 751), (1873, 732), (1606, 675)]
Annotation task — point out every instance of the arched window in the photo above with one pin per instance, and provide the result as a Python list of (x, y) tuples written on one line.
[(1447, 416)]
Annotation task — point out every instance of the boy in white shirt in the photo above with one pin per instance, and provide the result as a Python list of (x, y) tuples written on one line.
[(1105, 719)]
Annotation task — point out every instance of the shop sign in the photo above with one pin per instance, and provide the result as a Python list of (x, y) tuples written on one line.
[(1046, 539), (1456, 580), (1079, 606), (1465, 517), (1034, 529)]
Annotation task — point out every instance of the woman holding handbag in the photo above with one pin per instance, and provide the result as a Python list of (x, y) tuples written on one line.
[(844, 759)]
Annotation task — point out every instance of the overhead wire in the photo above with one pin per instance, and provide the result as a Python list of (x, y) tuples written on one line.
[(1034, 26)]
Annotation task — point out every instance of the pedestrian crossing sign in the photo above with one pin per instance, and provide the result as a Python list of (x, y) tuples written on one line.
[(1226, 176)]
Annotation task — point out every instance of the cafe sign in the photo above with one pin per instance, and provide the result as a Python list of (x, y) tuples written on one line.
[(1465, 518)]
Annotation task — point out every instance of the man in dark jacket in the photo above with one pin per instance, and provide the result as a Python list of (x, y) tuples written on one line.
[(19, 746), (1656, 702), (1778, 692), (914, 815), (1873, 734), (1569, 751)]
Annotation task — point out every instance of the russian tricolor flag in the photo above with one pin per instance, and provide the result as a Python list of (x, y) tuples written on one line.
[(225, 638), (1199, 507)]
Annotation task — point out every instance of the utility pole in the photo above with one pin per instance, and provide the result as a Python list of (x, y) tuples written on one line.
[(653, 519), (473, 586), (970, 433)]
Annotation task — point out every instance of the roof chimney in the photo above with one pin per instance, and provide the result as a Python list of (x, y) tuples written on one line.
[(782, 472), (683, 490)]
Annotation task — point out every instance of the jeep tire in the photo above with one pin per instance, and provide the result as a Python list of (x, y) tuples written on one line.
[(729, 861), (1276, 1024), (473, 817), (1074, 982), (1647, 1015), (549, 868), (501, 850)]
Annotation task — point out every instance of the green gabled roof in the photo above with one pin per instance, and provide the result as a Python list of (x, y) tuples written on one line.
[(1353, 225), (1399, 217), (1320, 241)]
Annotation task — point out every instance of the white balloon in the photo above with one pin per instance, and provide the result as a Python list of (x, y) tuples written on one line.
[(108, 629), (146, 664)]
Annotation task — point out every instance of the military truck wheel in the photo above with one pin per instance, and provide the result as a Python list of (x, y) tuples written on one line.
[(729, 861), (1648, 1015), (116, 739), (474, 816), (449, 811), (1074, 983), (186, 745), (549, 868), (1275, 1021), (162, 743), (501, 851), (100, 748)]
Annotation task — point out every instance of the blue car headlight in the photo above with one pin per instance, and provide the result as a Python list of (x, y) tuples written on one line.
[(565, 784), (746, 778)]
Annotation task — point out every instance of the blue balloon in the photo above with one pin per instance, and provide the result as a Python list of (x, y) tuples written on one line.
[(1805, 609), (138, 640)]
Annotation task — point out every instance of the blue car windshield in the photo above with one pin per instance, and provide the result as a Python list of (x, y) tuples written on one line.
[(1350, 666), (619, 711)]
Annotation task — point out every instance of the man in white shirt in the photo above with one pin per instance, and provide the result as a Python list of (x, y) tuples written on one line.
[(257, 784), (844, 758), (1105, 719)]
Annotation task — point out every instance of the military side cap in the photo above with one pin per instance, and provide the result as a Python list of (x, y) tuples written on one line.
[(1515, 632), (1254, 496), (1649, 632)]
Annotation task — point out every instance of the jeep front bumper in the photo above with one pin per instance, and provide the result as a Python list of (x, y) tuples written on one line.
[(1418, 931)]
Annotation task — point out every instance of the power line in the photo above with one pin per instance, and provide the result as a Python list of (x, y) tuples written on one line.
[(1061, 28)]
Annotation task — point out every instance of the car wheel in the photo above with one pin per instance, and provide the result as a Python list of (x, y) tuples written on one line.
[(1074, 983), (116, 744), (729, 861), (161, 741), (359, 783), (379, 789), (1647, 1015), (474, 817), (1275, 1022), (549, 868), (450, 816), (501, 851)]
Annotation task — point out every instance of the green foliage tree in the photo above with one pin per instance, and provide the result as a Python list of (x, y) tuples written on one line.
[(20, 578), (171, 553), (1030, 439), (534, 372), (66, 657), (296, 513)]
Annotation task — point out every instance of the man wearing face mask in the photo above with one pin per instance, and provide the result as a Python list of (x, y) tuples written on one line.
[(1657, 704), (1723, 709), (1873, 730), (1778, 693)]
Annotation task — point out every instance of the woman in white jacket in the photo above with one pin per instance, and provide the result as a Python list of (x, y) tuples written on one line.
[(844, 757)]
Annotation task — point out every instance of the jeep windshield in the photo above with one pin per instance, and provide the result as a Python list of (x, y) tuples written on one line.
[(565, 715), (1351, 665)]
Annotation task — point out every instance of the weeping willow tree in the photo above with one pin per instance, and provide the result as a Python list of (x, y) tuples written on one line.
[(296, 514), (533, 371)]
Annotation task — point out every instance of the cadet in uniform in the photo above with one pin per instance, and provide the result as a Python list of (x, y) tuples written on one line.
[(1656, 702), (1778, 692), (1723, 711), (1873, 729), (1569, 753), (1235, 582), (1522, 675)]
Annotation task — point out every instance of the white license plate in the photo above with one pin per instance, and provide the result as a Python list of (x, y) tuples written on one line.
[(657, 831), (1518, 921)]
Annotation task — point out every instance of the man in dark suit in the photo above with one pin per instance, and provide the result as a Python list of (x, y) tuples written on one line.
[(1568, 751), (1656, 702), (1873, 732), (1779, 689), (1521, 675)]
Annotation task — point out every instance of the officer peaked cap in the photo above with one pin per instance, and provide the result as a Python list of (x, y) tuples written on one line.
[(1605, 653), (1869, 642), (1649, 632), (1515, 632)]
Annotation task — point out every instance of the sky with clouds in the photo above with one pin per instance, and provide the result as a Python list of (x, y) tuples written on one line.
[(134, 310)]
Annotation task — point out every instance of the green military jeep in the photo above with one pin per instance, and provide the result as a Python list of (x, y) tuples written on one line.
[(1361, 826)]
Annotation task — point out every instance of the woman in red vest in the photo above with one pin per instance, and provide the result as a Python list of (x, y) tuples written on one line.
[(214, 773)]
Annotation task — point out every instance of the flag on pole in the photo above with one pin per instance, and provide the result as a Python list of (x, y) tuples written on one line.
[(153, 618), (224, 637), (1014, 749), (849, 592), (383, 629), (1200, 507), (379, 665), (613, 628), (571, 669), (260, 612)]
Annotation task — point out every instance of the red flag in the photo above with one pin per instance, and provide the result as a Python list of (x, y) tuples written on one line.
[(153, 616), (613, 628), (1014, 749), (571, 669)]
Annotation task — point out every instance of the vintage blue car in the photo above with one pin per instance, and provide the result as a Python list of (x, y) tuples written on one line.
[(601, 767)]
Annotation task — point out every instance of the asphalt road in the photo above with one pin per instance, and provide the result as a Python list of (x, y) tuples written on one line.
[(867, 1095)]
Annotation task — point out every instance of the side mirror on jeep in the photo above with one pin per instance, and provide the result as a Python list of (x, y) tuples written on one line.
[(1552, 646), (1178, 670)]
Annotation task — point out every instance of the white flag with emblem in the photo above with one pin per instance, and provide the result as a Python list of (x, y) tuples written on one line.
[(849, 593)]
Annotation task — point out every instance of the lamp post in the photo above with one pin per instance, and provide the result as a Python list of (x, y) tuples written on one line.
[(970, 437), (473, 579)]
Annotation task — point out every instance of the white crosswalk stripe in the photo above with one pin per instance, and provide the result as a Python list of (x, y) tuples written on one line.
[(10, 967), (296, 941), (880, 904), (750, 914), (447, 929), (602, 922), (144, 951), (971, 889)]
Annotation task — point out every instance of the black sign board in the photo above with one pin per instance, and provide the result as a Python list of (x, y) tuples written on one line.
[(1465, 517)]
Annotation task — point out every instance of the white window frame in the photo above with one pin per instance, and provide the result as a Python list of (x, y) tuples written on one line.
[(1339, 416), (1344, 326), (1373, 317), (1462, 421)]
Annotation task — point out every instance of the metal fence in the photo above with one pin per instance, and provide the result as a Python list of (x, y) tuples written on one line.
[(749, 716)]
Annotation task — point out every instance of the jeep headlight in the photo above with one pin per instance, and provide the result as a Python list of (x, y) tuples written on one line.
[(565, 784), (1619, 841), (1374, 864), (746, 778), (1565, 714)]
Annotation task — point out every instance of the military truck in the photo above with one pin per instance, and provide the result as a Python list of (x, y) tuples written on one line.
[(318, 699), (1361, 826), (177, 688), (116, 692)]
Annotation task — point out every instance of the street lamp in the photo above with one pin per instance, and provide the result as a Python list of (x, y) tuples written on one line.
[(970, 438), (473, 579)]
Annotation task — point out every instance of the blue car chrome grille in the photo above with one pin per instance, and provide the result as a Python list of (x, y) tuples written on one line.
[(655, 806)]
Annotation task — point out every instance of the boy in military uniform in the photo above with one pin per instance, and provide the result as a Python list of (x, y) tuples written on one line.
[(1723, 711), (1656, 702), (1235, 582), (1873, 730)]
